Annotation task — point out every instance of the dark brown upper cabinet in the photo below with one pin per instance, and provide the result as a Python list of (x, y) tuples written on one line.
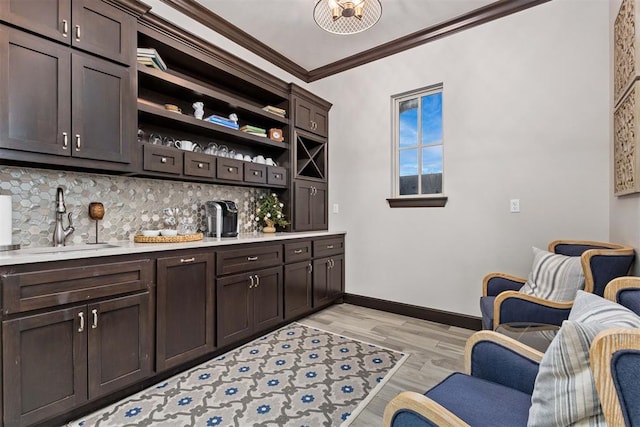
[(310, 112), (90, 25), (310, 117), (56, 101)]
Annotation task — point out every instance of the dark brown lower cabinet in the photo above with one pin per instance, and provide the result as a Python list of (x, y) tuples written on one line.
[(248, 303), (298, 295), (185, 309), (55, 361), (310, 206), (328, 279)]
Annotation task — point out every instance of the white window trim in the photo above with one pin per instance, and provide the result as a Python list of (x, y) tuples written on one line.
[(421, 200)]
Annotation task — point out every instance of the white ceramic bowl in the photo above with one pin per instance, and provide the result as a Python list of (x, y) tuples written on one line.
[(169, 232), (150, 233)]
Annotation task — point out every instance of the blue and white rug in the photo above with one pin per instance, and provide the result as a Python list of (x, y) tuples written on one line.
[(295, 376)]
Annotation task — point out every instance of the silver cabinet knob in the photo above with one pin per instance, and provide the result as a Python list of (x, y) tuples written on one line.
[(163, 160), (200, 165)]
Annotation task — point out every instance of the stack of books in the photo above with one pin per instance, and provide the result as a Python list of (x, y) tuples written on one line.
[(151, 58), (275, 110), (222, 121), (254, 130)]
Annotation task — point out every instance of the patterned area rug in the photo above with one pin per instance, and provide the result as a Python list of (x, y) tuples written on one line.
[(295, 376)]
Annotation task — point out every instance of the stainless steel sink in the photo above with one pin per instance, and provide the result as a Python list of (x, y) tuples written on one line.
[(70, 248)]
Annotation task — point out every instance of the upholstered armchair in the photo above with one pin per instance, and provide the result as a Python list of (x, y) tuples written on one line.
[(509, 384), (502, 303)]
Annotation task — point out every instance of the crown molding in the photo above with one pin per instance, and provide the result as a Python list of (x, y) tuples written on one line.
[(472, 19), (206, 17), (225, 59), (201, 14)]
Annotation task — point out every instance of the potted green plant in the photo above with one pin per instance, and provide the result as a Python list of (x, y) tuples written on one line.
[(270, 213)]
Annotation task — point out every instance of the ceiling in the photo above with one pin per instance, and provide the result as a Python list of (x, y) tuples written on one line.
[(284, 32)]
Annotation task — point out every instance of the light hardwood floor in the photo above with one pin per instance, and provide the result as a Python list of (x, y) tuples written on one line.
[(435, 350)]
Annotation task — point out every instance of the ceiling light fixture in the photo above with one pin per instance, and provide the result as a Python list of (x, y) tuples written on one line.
[(347, 16)]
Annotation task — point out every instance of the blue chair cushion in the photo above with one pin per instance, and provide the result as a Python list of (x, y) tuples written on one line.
[(486, 308), (626, 377), (630, 298), (407, 418), (479, 402)]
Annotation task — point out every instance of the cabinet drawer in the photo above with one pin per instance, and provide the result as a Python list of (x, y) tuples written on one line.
[(229, 169), (297, 251), (198, 164), (162, 159), (329, 246), (255, 172), (47, 288), (248, 259), (276, 175)]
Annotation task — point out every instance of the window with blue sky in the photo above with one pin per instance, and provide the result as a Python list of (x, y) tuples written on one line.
[(418, 143)]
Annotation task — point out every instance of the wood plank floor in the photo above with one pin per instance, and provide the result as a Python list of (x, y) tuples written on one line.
[(435, 350)]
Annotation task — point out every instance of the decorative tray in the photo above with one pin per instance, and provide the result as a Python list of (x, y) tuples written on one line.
[(139, 238)]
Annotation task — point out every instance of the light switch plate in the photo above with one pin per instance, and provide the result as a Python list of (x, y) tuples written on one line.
[(514, 205), (336, 208)]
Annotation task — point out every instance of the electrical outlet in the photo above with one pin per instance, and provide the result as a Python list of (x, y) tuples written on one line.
[(514, 205), (336, 208)]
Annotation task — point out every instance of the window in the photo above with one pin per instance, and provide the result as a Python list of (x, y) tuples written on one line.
[(418, 146)]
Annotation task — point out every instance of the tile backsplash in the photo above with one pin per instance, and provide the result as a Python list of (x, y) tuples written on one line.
[(131, 204)]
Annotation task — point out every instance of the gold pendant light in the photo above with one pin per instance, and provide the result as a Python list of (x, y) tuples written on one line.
[(347, 16)]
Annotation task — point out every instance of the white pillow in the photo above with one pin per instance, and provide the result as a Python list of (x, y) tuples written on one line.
[(554, 277), (564, 392)]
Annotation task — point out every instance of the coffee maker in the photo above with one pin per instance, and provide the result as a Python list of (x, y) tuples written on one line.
[(222, 218)]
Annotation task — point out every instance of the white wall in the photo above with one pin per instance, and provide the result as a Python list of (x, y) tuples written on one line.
[(526, 115), (624, 211)]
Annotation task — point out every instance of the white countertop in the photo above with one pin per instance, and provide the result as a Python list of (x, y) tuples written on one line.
[(24, 256)]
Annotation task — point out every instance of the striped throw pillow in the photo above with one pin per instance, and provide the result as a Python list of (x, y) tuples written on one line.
[(564, 392), (554, 277)]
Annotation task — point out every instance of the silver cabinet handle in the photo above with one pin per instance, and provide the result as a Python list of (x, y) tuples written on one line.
[(257, 281), (65, 28), (187, 259), (200, 165), (310, 268), (256, 173), (230, 169), (252, 258), (251, 285), (94, 312), (329, 246), (65, 140), (78, 33), (163, 160), (81, 316), (297, 251), (77, 142), (277, 176)]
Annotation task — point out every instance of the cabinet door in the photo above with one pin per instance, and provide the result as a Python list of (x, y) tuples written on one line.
[(302, 205), (321, 121), (185, 309), (103, 30), (34, 93), (102, 110), (297, 289), (310, 117), (234, 309), (267, 298), (319, 212), (119, 343), (336, 277), (321, 295), (44, 365), (48, 18)]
